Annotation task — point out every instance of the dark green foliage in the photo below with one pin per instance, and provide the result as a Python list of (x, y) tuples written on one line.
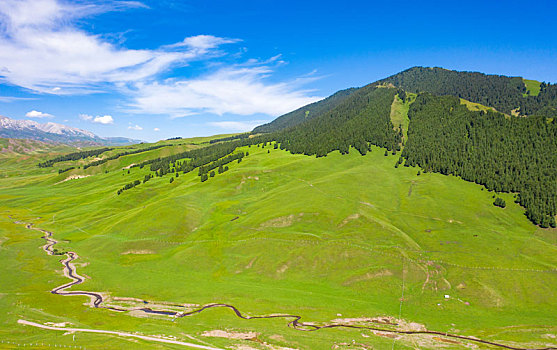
[(219, 163), (60, 171), (204, 159), (499, 202), (116, 156), (498, 91), (305, 113), (212, 174), (504, 154), (74, 156), (402, 95), (230, 138), (147, 178), (129, 186), (171, 180), (360, 120)]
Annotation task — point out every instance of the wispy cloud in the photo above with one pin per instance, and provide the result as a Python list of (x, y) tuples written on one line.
[(238, 89), (42, 51), (156, 129), (13, 98), (136, 127), (203, 42), (238, 125), (37, 114), (105, 119)]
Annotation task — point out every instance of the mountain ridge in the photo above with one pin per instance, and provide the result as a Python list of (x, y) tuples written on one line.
[(509, 95), (54, 132)]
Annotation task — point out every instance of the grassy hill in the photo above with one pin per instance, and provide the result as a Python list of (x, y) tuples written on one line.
[(330, 239)]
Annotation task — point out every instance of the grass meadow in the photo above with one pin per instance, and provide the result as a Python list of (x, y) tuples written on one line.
[(324, 238)]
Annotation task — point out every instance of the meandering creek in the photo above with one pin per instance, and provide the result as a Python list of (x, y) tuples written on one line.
[(97, 301)]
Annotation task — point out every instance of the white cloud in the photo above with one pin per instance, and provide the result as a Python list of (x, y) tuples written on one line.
[(37, 114), (240, 90), (136, 127), (203, 42), (86, 117), (156, 129), (41, 50), (105, 119), (238, 125)]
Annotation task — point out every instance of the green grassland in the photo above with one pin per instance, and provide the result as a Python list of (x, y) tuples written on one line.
[(532, 87), (19, 157), (399, 112), (472, 106), (324, 238)]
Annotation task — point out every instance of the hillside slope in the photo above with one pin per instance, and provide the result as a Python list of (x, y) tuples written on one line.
[(307, 112), (502, 152), (336, 239)]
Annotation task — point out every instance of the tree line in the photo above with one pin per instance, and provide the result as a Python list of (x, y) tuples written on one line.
[(73, 156), (118, 155), (306, 112), (505, 154), (359, 121), (230, 138)]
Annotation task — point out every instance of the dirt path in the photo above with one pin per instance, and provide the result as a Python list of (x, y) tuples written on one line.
[(121, 334), (97, 300)]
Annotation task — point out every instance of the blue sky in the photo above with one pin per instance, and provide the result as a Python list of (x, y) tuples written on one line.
[(156, 69)]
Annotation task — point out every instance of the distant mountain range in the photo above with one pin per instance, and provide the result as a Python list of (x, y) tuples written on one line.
[(54, 132)]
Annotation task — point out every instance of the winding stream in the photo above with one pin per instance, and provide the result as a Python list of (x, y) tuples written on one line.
[(295, 323)]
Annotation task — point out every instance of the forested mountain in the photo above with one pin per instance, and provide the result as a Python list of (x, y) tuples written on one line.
[(307, 112), (511, 152), (506, 94), (506, 154), (360, 120)]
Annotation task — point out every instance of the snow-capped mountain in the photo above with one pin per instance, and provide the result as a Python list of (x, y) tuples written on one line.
[(54, 132), (54, 128)]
